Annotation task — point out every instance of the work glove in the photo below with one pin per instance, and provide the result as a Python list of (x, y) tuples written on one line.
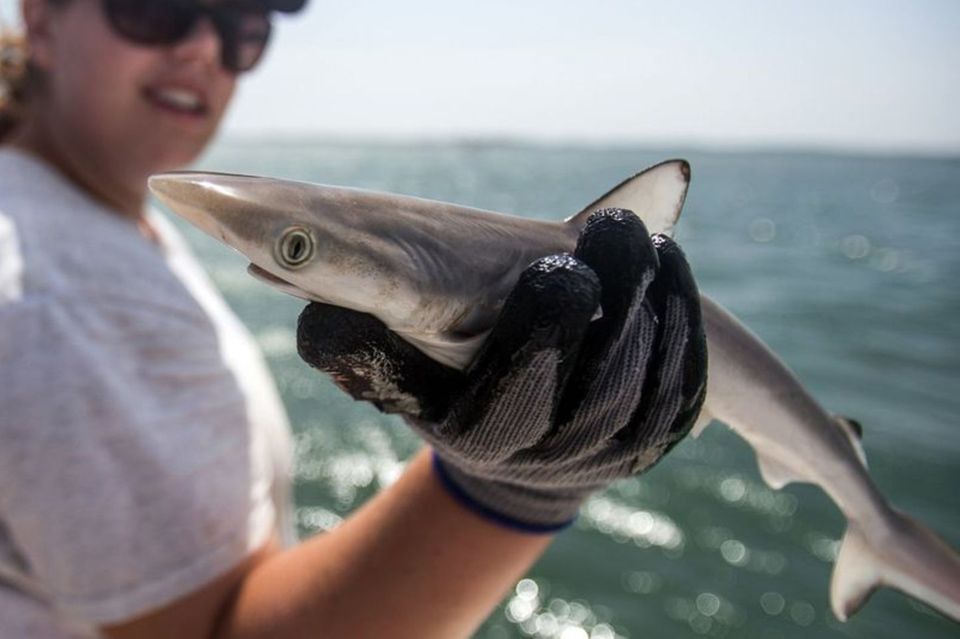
[(595, 368)]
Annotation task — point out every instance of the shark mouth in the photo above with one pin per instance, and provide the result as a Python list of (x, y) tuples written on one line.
[(278, 283)]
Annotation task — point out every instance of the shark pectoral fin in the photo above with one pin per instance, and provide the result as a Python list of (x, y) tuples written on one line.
[(656, 195), (774, 473), (451, 350)]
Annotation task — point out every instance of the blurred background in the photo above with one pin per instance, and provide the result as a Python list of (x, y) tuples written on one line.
[(877, 75), (824, 211)]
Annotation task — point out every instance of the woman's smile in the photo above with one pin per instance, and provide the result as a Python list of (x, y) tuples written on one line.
[(178, 100)]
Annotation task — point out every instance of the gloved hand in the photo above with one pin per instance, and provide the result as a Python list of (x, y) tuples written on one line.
[(557, 403)]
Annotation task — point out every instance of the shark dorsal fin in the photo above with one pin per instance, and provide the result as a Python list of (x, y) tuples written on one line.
[(655, 194), (854, 432)]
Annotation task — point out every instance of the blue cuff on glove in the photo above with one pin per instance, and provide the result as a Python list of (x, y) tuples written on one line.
[(488, 513)]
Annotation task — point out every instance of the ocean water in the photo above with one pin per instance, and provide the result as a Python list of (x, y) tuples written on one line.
[(846, 266)]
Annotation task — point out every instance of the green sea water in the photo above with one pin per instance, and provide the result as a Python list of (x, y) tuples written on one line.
[(847, 266)]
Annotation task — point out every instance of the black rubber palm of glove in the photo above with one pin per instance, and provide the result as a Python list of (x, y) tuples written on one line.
[(557, 403)]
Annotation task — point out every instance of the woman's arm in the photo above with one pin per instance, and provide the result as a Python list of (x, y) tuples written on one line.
[(411, 563)]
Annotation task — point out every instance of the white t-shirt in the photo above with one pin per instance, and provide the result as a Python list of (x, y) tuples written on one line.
[(143, 447)]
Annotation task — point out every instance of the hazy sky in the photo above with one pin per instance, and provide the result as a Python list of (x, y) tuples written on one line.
[(866, 74)]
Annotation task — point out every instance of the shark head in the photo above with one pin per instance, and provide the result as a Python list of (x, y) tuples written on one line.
[(306, 240), (270, 226)]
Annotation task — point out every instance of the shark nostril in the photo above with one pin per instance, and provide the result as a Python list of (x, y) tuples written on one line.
[(295, 248)]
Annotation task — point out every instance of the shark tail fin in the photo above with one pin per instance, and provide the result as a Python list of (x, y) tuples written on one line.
[(902, 554)]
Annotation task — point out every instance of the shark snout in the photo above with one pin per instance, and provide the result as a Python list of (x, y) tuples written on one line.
[(199, 198), (259, 217)]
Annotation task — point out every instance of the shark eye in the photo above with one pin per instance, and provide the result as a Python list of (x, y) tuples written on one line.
[(295, 248)]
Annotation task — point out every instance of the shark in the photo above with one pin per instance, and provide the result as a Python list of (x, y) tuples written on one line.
[(438, 273)]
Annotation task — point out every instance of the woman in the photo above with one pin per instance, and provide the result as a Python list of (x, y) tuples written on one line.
[(143, 451)]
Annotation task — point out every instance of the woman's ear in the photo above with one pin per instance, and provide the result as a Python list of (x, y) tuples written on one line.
[(36, 22)]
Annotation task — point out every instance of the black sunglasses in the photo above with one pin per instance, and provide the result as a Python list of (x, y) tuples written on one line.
[(243, 29)]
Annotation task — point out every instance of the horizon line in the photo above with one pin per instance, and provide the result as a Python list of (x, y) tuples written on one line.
[(537, 141)]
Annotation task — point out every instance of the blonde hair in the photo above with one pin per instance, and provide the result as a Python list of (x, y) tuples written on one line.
[(13, 79)]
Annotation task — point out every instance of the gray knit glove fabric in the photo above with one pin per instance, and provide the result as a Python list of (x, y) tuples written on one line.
[(557, 403)]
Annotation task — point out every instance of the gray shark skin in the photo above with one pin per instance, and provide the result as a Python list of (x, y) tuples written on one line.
[(438, 273)]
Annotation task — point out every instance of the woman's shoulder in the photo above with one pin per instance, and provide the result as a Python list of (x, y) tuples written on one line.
[(26, 182), (59, 244)]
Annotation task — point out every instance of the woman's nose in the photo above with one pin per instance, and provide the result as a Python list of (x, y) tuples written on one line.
[(202, 43)]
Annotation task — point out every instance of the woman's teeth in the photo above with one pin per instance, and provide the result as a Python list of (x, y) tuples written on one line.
[(179, 99)]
